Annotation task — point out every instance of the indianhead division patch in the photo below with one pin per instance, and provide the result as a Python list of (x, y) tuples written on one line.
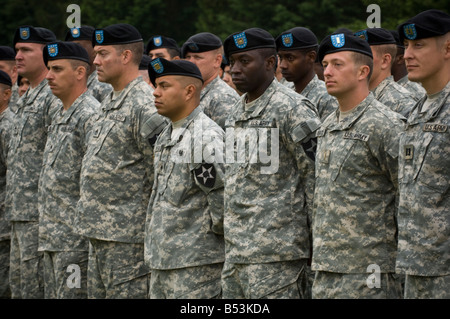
[(240, 40), (338, 40), (53, 50), (99, 36), (157, 41), (287, 40), (24, 33), (75, 32), (157, 66), (205, 175), (410, 31)]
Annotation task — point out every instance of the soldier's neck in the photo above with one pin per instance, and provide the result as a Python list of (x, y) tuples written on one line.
[(301, 84)]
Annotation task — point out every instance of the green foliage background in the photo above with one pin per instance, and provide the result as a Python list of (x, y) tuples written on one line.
[(180, 19)]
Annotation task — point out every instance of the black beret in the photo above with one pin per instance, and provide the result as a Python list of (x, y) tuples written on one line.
[(30, 34), (427, 24), (397, 38), (161, 67), (121, 33), (144, 62), (337, 42), (5, 78), (296, 38), (64, 50), (376, 36), (83, 33), (159, 41), (201, 42), (250, 39), (7, 53)]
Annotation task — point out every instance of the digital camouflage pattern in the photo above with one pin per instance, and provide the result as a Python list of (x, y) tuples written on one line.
[(5, 226), (6, 118), (316, 92), (217, 100), (117, 169), (424, 208), (277, 280), (394, 96), (356, 188), (329, 285), (267, 204), (117, 270), (417, 91), (99, 90), (59, 185), (32, 116), (180, 283), (14, 94), (185, 215)]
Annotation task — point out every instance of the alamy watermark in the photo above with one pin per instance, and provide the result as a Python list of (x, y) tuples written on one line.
[(244, 145), (74, 279), (374, 279), (374, 20)]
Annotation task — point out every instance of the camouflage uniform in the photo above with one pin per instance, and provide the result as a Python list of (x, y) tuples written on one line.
[(115, 186), (423, 216), (266, 208), (287, 83), (99, 90), (217, 99), (354, 223), (316, 92), (393, 95), (32, 116), (59, 192), (184, 233), (5, 226), (14, 94), (417, 91)]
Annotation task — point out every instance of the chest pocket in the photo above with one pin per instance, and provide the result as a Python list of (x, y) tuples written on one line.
[(425, 159), (54, 148), (349, 159), (174, 181), (99, 135)]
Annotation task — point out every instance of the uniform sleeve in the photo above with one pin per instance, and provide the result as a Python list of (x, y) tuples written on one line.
[(303, 135), (209, 177)]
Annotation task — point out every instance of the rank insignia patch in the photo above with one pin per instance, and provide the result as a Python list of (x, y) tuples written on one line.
[(24, 33), (338, 40), (99, 36), (206, 175), (157, 41), (410, 31), (409, 152), (287, 40), (52, 50), (362, 34), (193, 47), (75, 32), (157, 66), (240, 40)]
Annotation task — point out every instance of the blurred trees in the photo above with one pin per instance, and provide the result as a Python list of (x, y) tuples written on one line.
[(180, 19)]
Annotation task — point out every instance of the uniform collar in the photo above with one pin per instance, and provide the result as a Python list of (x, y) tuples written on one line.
[(240, 114), (417, 117), (358, 111), (117, 103)]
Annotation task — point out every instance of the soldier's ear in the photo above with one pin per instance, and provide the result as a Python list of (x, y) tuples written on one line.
[(271, 62)]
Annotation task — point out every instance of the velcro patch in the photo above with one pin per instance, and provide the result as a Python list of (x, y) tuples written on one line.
[(356, 136)]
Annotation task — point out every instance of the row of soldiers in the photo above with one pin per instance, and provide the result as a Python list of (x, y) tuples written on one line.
[(115, 187)]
